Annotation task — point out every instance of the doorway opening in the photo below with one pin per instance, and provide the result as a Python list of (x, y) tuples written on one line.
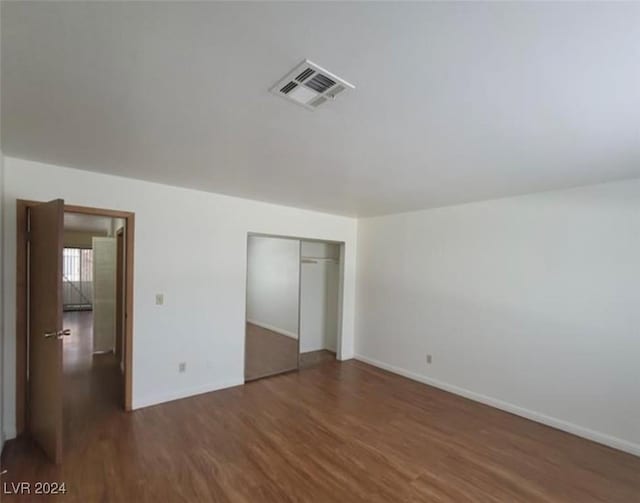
[(92, 287), (293, 305), (320, 287), (85, 258)]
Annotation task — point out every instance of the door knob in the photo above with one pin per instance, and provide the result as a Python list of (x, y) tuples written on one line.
[(58, 334)]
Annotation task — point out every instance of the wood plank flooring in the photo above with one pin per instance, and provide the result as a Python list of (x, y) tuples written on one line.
[(93, 387), (313, 358), (336, 432)]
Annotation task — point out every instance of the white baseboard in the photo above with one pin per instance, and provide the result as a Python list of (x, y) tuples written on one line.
[(559, 424), (319, 349), (343, 357), (310, 350), (9, 433), (280, 331), (159, 398)]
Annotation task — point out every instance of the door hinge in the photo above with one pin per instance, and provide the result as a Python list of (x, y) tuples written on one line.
[(28, 235)]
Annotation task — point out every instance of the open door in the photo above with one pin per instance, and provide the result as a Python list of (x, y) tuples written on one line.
[(46, 223)]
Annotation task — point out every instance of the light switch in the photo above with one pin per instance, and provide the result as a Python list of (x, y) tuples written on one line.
[(159, 299)]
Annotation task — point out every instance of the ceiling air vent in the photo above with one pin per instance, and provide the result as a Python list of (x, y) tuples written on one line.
[(318, 101), (288, 87), (310, 85), (305, 74)]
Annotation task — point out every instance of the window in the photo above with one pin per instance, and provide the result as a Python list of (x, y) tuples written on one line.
[(77, 264)]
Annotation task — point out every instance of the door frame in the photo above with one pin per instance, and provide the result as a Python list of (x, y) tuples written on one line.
[(22, 208), (120, 294)]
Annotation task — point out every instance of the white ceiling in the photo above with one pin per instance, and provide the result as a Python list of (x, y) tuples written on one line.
[(454, 102), (87, 223)]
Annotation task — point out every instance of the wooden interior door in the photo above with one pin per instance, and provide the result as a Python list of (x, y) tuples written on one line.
[(119, 293), (46, 223)]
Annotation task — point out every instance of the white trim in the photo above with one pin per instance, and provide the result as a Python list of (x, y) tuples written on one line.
[(148, 401), (314, 350), (9, 434), (103, 352), (344, 357), (580, 431), (280, 331)]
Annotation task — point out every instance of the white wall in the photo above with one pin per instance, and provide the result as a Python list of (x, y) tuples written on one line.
[(319, 293), (116, 225), (332, 312), (529, 303), (189, 245), (273, 269)]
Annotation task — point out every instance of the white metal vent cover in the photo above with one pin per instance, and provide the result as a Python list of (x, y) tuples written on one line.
[(310, 85)]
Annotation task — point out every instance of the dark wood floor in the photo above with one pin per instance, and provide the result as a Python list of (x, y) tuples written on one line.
[(336, 432), (92, 382), (313, 358)]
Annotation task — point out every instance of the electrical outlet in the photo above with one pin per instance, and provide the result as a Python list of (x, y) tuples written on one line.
[(182, 367), (429, 359), (159, 299)]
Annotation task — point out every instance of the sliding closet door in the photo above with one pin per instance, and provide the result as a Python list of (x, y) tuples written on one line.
[(273, 279)]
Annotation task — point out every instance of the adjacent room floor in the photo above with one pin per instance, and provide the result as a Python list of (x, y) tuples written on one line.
[(92, 382), (335, 432)]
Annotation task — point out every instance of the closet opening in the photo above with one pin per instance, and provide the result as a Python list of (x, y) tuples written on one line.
[(319, 301), (293, 304)]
